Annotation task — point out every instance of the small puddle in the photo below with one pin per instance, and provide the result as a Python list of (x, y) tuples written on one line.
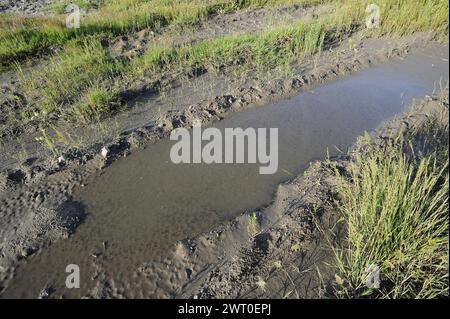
[(142, 205)]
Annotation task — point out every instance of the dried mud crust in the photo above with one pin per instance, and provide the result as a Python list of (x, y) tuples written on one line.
[(36, 194)]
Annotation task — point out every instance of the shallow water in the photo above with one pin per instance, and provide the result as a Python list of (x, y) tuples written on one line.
[(140, 206)]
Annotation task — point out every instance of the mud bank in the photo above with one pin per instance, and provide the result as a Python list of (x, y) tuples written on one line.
[(209, 97), (25, 7), (282, 257), (246, 21), (286, 256), (152, 279), (142, 90)]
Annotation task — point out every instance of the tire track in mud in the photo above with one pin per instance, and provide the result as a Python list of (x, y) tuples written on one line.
[(351, 55), (229, 263), (129, 46), (77, 167)]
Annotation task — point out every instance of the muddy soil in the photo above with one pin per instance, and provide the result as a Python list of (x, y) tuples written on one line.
[(129, 46), (214, 93), (247, 21), (157, 286), (281, 260), (26, 7), (37, 207)]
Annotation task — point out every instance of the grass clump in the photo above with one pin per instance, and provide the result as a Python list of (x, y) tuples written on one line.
[(401, 17), (21, 37), (97, 104), (396, 215), (71, 74), (263, 51), (68, 75), (60, 6)]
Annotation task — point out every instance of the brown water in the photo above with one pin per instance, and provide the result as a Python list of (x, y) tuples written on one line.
[(142, 205)]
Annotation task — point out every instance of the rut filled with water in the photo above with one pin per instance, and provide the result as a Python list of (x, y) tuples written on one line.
[(143, 204)]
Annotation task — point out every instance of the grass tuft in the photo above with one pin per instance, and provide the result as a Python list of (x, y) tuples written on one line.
[(98, 104), (21, 36), (396, 214), (68, 75)]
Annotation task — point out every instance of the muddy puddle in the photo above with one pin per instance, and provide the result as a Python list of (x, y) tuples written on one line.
[(140, 206)]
